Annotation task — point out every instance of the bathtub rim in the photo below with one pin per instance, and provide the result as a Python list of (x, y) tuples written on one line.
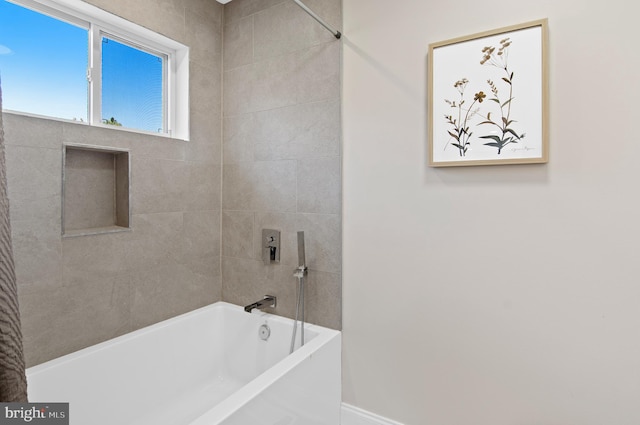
[(242, 396), (253, 388)]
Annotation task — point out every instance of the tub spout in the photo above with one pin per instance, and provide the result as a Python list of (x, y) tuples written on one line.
[(267, 301)]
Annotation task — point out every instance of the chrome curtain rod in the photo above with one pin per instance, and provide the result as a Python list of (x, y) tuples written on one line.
[(335, 33)]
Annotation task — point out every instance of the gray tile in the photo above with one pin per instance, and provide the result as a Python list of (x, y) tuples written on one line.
[(58, 321), (202, 190), (238, 186), (163, 16), (237, 234), (323, 236), (89, 187), (238, 138), (267, 186), (205, 90), (158, 185), (212, 64), (203, 36), (157, 147), (238, 43), (212, 10), (298, 132), (163, 292), (205, 138), (331, 13), (201, 243), (274, 83), (239, 96), (323, 299), (205, 120), (171, 261), (300, 77), (205, 267), (319, 185), (156, 240), (238, 9), (202, 233), (277, 131), (37, 254), (99, 136), (147, 145), (20, 130), (34, 182), (317, 74), (152, 146), (304, 76), (121, 187), (87, 258), (281, 29), (207, 151), (286, 28), (275, 186), (289, 110)]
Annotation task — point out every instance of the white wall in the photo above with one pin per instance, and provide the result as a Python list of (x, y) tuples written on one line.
[(492, 295)]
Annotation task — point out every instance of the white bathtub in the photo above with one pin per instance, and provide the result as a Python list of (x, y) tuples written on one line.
[(205, 367)]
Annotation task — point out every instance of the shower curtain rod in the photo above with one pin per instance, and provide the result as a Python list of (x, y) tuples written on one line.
[(335, 33)]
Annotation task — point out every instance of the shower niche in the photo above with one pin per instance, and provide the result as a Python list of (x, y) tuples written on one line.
[(95, 190)]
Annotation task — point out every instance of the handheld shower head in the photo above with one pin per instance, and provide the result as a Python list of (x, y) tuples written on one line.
[(301, 256)]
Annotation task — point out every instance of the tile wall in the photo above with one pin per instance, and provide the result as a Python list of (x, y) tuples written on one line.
[(75, 292), (196, 218), (282, 153)]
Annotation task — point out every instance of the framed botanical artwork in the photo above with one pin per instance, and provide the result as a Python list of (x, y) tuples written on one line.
[(488, 98)]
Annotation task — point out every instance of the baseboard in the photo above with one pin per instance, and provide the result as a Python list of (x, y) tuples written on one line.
[(352, 415)]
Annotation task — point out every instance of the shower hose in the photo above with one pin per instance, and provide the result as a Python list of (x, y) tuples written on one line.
[(299, 315)]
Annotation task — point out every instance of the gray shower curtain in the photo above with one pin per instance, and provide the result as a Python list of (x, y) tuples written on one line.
[(13, 382)]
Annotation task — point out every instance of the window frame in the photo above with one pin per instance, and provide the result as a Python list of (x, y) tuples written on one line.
[(100, 23), (94, 73)]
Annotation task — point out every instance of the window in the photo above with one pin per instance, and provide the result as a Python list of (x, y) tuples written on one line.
[(133, 82), (67, 59), (33, 45)]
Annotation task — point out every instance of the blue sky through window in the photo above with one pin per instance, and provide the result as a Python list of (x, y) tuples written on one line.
[(43, 66), (131, 86)]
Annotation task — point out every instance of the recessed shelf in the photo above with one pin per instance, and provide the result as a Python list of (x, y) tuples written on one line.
[(95, 190)]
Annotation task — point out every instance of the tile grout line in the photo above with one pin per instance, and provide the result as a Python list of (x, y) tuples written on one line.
[(222, 162)]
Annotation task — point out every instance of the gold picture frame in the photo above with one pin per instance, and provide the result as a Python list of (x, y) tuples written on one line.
[(488, 98)]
